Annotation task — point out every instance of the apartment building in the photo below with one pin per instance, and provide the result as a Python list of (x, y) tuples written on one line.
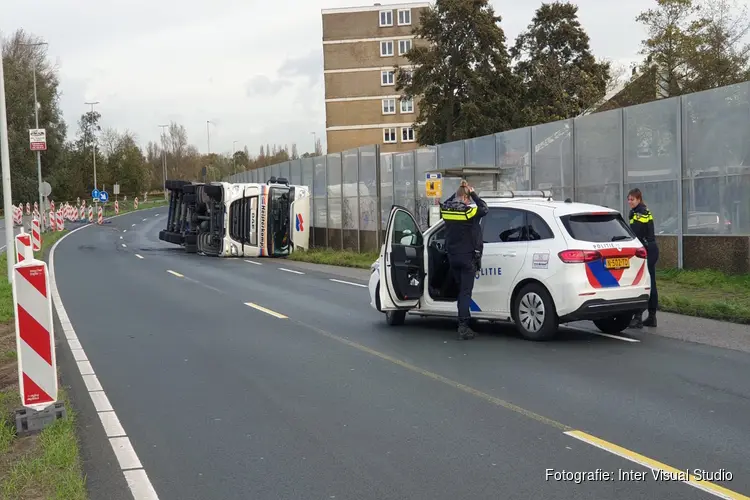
[(361, 46)]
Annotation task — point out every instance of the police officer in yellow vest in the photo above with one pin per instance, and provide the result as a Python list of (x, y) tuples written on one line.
[(642, 224), (464, 245)]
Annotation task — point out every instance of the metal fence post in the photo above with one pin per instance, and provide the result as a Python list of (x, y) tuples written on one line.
[(574, 157), (681, 208), (378, 191), (359, 203)]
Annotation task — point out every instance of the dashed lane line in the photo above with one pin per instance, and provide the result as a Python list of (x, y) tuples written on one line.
[(290, 270), (253, 262), (267, 311), (348, 283), (174, 273), (139, 256)]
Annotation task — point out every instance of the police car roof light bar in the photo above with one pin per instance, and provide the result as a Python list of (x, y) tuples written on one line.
[(516, 194)]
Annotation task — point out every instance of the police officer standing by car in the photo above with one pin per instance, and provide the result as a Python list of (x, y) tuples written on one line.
[(642, 224), (464, 245)]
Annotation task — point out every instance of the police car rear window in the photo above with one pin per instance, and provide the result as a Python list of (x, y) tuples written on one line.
[(597, 228)]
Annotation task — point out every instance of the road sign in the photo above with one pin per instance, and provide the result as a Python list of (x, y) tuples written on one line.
[(95, 195), (116, 189), (45, 189), (103, 196), (434, 185), (38, 139)]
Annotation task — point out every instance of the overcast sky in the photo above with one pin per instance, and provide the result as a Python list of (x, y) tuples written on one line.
[(254, 69)]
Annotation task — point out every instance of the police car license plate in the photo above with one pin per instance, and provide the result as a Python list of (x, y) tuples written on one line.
[(617, 263)]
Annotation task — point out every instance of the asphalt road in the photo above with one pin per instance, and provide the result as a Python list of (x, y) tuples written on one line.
[(223, 400)]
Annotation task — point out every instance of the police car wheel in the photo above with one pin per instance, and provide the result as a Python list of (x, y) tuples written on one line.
[(614, 324), (534, 313), (395, 318)]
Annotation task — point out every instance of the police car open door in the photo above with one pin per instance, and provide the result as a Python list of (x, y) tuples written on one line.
[(402, 262), (300, 218)]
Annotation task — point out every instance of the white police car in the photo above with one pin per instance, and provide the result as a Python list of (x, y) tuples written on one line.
[(545, 263)]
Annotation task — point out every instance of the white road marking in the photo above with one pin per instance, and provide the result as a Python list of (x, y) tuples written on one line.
[(290, 270), (348, 283), (124, 245), (124, 230), (626, 339), (135, 476), (101, 401), (111, 424), (174, 273), (139, 256), (253, 262), (267, 311), (133, 225)]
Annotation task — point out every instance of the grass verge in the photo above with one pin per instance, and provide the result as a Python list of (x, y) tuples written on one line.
[(44, 465), (345, 258), (700, 293)]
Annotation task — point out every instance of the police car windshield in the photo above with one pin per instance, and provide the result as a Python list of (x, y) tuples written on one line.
[(597, 228)]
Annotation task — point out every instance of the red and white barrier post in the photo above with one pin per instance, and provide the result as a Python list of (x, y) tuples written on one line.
[(35, 345), (135, 203), (28, 208), (60, 220), (91, 214), (36, 235), (117, 208), (100, 215), (23, 247), (52, 221)]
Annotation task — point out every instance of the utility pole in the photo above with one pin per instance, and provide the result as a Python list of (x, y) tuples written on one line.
[(36, 119), (234, 160), (208, 136), (5, 161), (93, 144), (164, 157), (315, 143)]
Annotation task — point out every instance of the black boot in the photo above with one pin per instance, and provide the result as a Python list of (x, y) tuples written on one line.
[(464, 331), (637, 321), (651, 319)]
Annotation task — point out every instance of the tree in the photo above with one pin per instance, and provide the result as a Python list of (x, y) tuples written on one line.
[(462, 78), (674, 36), (722, 58), (561, 77), (295, 155), (318, 147), (19, 60)]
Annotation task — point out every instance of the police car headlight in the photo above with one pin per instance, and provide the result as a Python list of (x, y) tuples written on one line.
[(233, 249)]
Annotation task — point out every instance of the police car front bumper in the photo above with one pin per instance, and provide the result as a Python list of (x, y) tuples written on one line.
[(602, 308)]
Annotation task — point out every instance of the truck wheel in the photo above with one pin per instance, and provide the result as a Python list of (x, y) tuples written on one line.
[(395, 318), (534, 313), (614, 324)]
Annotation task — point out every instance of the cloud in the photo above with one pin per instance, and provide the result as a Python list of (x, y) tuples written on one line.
[(261, 86), (256, 73)]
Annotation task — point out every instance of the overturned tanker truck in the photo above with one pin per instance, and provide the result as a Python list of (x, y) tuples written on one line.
[(224, 219)]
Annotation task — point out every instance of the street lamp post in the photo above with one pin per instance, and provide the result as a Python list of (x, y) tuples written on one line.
[(5, 161), (234, 158), (164, 157), (208, 136), (36, 120), (93, 143)]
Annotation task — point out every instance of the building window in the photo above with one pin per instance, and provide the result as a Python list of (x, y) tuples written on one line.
[(386, 48), (404, 17), (389, 135), (386, 18), (404, 46), (407, 134), (389, 106), (407, 106), (386, 78), (408, 74)]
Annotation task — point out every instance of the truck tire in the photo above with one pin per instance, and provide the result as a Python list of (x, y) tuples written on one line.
[(188, 189)]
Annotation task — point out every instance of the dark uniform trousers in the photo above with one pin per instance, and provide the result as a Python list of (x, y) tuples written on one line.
[(463, 269)]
